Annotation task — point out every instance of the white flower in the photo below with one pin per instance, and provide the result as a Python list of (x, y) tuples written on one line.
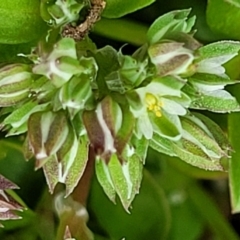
[(159, 113)]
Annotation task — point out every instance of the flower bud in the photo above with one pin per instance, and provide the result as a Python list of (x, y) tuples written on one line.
[(198, 145), (170, 58), (15, 81), (47, 132)]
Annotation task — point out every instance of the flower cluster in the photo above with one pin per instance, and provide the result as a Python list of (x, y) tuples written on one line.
[(75, 98)]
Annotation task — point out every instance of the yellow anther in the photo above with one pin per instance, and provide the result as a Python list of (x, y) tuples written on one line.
[(150, 99), (153, 104), (158, 113)]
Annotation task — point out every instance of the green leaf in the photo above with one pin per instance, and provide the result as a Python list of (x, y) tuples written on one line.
[(120, 178), (119, 8), (234, 166), (223, 50), (51, 172), (224, 17), (210, 82), (193, 155), (216, 131), (169, 23), (77, 167), (202, 138), (19, 117), (104, 178), (217, 101), (162, 145), (169, 85), (140, 146), (135, 168), (20, 21)]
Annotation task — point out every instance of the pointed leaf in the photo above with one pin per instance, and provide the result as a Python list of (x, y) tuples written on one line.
[(175, 21), (78, 165), (221, 49), (216, 132), (193, 155), (140, 146), (6, 184), (104, 178), (162, 145), (51, 172), (121, 180), (200, 137), (216, 101), (135, 168)]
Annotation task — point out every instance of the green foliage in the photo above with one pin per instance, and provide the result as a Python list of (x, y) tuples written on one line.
[(85, 112)]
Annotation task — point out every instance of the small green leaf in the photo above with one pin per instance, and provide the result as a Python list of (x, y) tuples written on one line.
[(169, 85), (216, 131), (19, 117), (51, 172), (201, 137), (169, 23), (140, 146), (104, 178), (217, 101), (223, 50), (162, 145), (56, 134), (135, 168), (210, 82), (193, 155), (76, 168), (121, 180), (119, 8)]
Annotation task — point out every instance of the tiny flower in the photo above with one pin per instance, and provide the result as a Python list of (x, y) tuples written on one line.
[(161, 104), (171, 58)]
